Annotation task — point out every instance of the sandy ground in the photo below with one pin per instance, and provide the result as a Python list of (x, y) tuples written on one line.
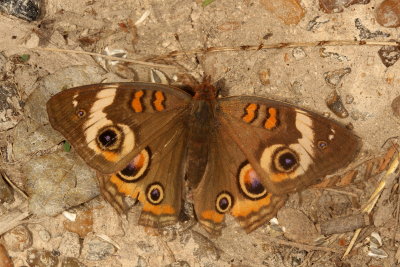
[(145, 30)]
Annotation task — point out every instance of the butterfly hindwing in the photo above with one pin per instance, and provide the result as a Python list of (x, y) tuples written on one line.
[(231, 186), (154, 177)]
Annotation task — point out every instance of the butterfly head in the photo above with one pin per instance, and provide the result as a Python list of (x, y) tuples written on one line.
[(205, 90)]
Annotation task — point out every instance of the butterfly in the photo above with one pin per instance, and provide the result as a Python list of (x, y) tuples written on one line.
[(239, 155)]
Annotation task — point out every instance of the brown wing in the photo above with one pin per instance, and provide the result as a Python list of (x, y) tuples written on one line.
[(230, 185), (262, 150), (109, 124), (289, 148), (154, 177)]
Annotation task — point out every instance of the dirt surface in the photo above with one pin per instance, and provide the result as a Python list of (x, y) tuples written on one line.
[(33, 68)]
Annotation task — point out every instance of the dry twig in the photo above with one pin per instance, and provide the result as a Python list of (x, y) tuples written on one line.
[(373, 199), (301, 246)]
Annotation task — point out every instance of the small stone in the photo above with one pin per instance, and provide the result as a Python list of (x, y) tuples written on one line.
[(296, 87), (289, 11), (396, 106), (96, 249), (82, 225), (33, 41), (323, 53), (70, 245), (333, 78), (355, 115), (44, 235), (71, 262), (41, 258), (264, 76), (5, 260), (389, 55), (18, 239), (335, 104), (178, 264), (206, 247), (298, 257), (388, 13), (337, 6), (28, 10), (10, 106), (297, 225), (349, 99), (6, 194), (141, 262), (298, 53)]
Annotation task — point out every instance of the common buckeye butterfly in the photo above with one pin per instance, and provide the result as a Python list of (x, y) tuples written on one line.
[(240, 155)]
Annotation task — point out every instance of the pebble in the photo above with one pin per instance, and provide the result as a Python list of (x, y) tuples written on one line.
[(28, 10), (337, 6), (349, 99), (333, 78), (18, 239), (396, 107), (298, 53), (41, 258), (388, 13), (178, 264), (5, 260), (44, 235), (96, 249), (10, 106), (389, 55), (141, 262), (298, 257), (6, 194), (264, 76), (288, 11), (71, 262), (335, 104), (70, 245), (298, 227), (82, 225)]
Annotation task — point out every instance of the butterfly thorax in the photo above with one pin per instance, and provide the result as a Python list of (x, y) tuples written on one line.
[(205, 91), (201, 128)]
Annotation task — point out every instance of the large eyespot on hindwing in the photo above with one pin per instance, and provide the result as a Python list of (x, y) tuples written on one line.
[(137, 168), (285, 160), (223, 202), (110, 138), (250, 183), (155, 193)]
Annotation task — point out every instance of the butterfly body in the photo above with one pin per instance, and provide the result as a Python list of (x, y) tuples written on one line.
[(240, 155), (202, 126)]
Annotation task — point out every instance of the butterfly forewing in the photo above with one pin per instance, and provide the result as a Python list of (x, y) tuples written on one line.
[(108, 124)]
